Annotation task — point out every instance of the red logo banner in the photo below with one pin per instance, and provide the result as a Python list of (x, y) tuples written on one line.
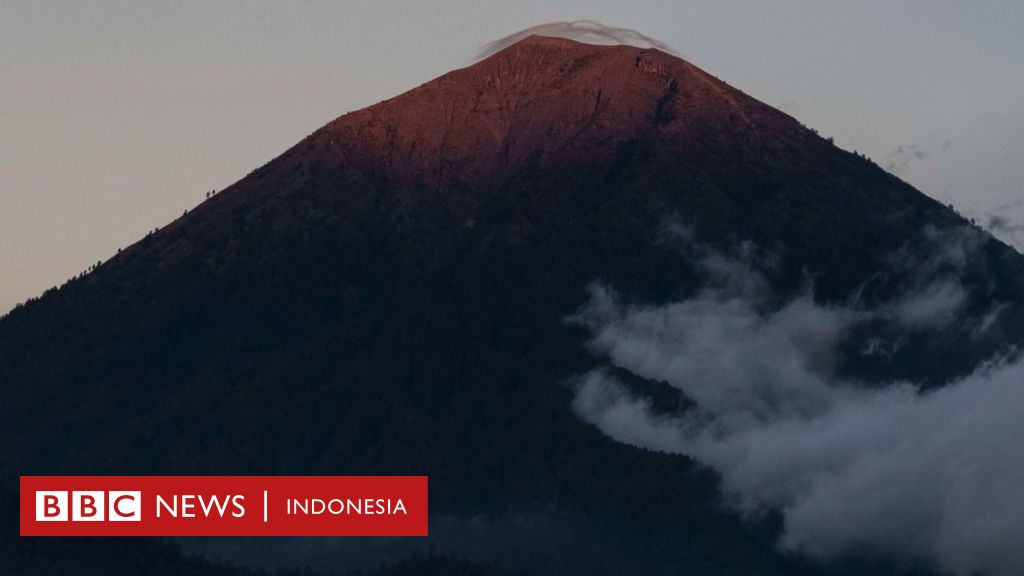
[(223, 505)]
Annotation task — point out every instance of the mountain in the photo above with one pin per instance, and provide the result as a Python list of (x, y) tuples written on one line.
[(389, 296)]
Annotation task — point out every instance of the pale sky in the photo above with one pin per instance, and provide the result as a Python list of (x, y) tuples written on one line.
[(117, 116)]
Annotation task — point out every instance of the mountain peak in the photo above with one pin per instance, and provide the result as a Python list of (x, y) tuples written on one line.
[(539, 98), (555, 57)]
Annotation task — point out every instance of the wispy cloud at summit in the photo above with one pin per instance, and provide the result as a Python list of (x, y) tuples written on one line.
[(586, 31)]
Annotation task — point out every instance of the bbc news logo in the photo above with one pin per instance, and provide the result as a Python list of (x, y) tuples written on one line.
[(223, 505), (88, 506)]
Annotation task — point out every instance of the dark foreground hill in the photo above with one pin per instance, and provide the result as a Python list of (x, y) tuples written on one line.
[(388, 297)]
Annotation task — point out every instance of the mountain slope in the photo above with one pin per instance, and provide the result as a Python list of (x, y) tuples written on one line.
[(388, 296)]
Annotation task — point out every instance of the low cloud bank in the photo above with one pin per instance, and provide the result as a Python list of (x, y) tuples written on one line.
[(854, 467)]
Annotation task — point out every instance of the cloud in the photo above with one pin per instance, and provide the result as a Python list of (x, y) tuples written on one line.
[(853, 467), (904, 154), (586, 31), (1006, 222), (934, 295)]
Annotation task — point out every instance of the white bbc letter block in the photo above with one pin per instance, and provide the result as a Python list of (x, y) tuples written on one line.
[(88, 506), (124, 506), (51, 506)]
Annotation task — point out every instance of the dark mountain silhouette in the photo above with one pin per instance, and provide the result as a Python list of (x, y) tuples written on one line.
[(388, 296)]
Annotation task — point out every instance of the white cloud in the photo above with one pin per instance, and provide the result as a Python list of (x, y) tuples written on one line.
[(586, 31), (936, 475)]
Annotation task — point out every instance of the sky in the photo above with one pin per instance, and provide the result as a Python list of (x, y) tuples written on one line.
[(115, 117)]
